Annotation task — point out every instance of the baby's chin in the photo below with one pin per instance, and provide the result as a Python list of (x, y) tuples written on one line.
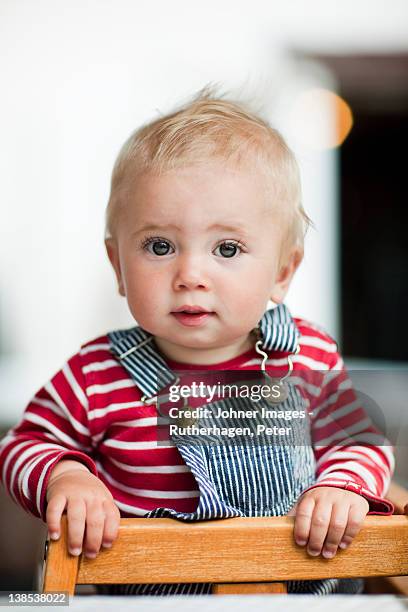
[(200, 343), (190, 343)]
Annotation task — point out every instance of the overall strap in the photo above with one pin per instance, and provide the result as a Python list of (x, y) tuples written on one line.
[(140, 357), (278, 330)]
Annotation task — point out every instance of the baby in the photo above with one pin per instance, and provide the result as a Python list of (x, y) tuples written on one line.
[(204, 226)]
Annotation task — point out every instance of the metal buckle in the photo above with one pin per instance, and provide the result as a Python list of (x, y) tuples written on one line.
[(279, 389)]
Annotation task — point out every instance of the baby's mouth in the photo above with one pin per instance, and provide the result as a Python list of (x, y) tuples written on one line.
[(186, 313), (192, 310), (189, 312), (192, 317)]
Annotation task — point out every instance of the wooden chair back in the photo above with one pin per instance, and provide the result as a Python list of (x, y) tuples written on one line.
[(237, 555)]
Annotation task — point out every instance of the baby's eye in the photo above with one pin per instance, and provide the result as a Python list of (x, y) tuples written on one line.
[(159, 246), (228, 249)]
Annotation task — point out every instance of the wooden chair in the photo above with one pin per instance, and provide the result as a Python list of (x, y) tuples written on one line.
[(237, 555)]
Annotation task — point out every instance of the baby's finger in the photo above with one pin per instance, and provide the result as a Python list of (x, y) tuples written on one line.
[(319, 526), (337, 526), (112, 522), (95, 521), (55, 508), (76, 514), (304, 511), (355, 521)]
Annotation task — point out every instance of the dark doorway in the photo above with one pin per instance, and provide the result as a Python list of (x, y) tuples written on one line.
[(374, 242), (374, 206)]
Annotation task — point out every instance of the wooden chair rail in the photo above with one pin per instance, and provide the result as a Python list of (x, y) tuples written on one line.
[(238, 555), (235, 550)]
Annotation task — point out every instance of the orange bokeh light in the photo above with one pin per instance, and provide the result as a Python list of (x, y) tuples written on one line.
[(321, 119)]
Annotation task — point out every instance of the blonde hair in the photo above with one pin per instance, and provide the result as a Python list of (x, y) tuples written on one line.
[(210, 127)]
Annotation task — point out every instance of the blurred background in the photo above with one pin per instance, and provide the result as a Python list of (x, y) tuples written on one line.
[(78, 77)]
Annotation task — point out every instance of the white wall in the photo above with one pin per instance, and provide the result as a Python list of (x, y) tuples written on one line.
[(76, 78)]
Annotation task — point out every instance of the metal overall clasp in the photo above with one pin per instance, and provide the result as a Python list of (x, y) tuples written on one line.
[(279, 390)]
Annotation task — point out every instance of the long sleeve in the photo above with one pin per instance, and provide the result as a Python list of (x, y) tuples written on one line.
[(54, 426), (351, 453)]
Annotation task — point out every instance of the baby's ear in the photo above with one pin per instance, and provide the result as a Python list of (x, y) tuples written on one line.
[(285, 275), (113, 254)]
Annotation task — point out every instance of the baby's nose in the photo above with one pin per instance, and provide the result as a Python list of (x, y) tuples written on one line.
[(191, 274)]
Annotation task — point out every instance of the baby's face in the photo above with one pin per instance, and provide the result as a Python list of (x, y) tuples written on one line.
[(205, 237)]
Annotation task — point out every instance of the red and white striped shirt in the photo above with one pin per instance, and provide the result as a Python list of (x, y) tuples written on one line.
[(91, 410)]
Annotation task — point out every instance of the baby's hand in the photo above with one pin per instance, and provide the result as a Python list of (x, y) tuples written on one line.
[(88, 503), (328, 518)]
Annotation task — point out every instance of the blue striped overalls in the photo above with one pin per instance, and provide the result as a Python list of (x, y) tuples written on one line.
[(261, 479)]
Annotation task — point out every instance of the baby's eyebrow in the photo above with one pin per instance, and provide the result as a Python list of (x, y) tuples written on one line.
[(220, 226), (165, 226)]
